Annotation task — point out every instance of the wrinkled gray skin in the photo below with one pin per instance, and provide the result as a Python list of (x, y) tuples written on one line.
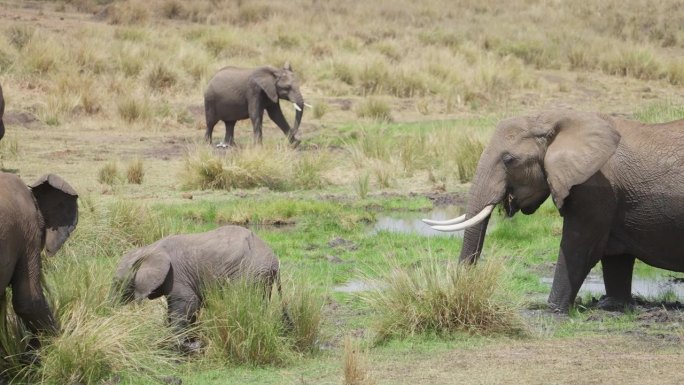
[(618, 184), (34, 217), (2, 113), (181, 266), (239, 93)]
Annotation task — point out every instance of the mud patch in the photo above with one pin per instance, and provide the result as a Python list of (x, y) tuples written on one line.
[(341, 243), (22, 118)]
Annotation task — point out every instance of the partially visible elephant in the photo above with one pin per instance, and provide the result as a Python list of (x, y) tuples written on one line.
[(34, 217), (239, 93), (180, 267), (2, 114), (618, 184)]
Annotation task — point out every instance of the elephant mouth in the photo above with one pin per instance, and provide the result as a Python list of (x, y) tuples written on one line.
[(510, 204)]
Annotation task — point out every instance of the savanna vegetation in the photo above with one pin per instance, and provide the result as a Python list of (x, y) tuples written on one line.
[(404, 95)]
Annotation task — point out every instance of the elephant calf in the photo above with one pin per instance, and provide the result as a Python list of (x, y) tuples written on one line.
[(181, 266), (240, 93)]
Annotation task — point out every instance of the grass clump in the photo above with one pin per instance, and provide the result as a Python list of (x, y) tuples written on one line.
[(135, 171), (93, 348), (355, 363), (443, 298), (109, 174), (375, 108), (280, 169), (241, 325)]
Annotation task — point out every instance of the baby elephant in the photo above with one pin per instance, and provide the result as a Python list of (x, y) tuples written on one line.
[(181, 266)]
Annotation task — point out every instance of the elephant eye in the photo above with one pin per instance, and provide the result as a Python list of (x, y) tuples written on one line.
[(508, 159)]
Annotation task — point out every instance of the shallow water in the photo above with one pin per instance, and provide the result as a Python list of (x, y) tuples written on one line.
[(644, 287), (355, 286), (410, 222)]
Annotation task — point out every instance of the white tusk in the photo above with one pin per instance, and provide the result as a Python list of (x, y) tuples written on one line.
[(444, 223), (470, 222), (297, 107), (308, 105)]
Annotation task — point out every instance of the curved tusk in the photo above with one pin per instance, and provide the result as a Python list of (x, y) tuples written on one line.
[(308, 105), (470, 222), (444, 223), (297, 107)]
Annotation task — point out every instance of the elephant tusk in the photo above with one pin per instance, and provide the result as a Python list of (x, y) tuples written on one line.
[(444, 223), (470, 222), (308, 105), (297, 107)]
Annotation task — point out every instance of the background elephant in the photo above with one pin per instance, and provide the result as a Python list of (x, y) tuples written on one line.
[(2, 114), (239, 93), (41, 215), (181, 266), (618, 184)]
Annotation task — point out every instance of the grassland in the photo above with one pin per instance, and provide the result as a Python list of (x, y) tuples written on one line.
[(405, 94)]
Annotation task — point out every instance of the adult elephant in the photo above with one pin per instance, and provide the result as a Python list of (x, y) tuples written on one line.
[(181, 266), (618, 184), (239, 93), (34, 217)]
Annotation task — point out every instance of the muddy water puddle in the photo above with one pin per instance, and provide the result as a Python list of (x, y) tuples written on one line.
[(645, 287), (410, 222)]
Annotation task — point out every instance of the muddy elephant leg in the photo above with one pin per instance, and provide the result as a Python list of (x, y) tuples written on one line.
[(617, 277), (230, 132), (276, 114)]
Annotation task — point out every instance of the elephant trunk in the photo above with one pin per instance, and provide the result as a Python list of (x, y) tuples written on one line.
[(299, 101), (488, 188)]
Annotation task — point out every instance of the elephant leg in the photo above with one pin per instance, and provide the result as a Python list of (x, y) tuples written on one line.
[(211, 119), (256, 115), (182, 313), (29, 302), (617, 277), (586, 225), (276, 114), (230, 132)]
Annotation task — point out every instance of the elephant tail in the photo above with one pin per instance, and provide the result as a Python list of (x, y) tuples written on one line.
[(287, 319)]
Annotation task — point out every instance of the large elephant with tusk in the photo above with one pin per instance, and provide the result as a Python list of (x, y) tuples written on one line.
[(239, 93), (618, 184)]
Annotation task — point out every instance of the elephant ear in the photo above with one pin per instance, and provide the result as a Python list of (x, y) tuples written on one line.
[(265, 79), (581, 143), (57, 202), (154, 276)]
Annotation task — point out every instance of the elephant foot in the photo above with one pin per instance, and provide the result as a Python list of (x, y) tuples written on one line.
[(295, 143), (614, 304), (222, 145)]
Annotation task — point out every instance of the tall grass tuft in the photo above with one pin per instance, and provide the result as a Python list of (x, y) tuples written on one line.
[(278, 168), (355, 363), (304, 311), (136, 223), (444, 297), (93, 348), (241, 326), (361, 184), (135, 171), (109, 174), (13, 341), (375, 108)]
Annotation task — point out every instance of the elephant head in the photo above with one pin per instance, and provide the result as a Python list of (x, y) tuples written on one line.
[(144, 273), (57, 202), (528, 159), (281, 83)]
